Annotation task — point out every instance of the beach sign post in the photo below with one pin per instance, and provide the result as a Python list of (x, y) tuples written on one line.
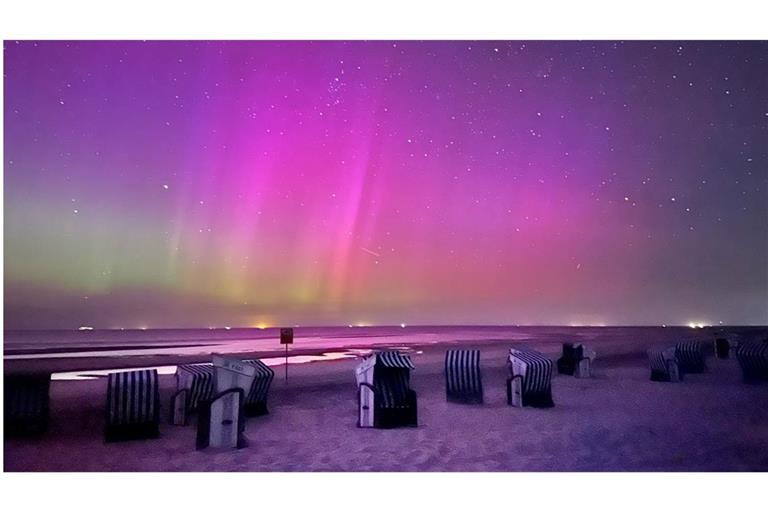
[(286, 338)]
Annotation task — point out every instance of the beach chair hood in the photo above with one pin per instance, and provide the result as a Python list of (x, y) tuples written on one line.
[(388, 359), (394, 360)]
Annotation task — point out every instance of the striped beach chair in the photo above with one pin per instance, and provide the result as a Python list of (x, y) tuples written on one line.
[(463, 382), (530, 379), (26, 401), (197, 379), (133, 405), (753, 360), (256, 398), (690, 357), (664, 365), (576, 360), (385, 397), (722, 348)]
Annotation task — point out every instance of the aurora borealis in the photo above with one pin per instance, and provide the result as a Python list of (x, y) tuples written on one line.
[(244, 183)]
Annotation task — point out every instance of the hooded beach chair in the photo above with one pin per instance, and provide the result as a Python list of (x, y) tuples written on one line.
[(256, 398), (26, 404), (463, 382), (221, 419), (133, 405), (197, 380), (690, 357), (722, 348), (753, 360), (576, 360), (664, 365), (195, 384), (385, 398), (530, 379)]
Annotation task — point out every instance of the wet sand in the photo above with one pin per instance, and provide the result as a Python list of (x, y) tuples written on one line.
[(616, 421)]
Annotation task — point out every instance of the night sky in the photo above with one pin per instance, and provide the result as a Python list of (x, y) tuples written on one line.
[(196, 184)]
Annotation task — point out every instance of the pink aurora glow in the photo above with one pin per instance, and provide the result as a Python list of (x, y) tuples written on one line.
[(245, 183)]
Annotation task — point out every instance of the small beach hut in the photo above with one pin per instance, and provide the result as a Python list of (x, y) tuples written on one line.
[(576, 360), (530, 379), (753, 360), (664, 365), (385, 398), (690, 357), (26, 402), (133, 405), (463, 381)]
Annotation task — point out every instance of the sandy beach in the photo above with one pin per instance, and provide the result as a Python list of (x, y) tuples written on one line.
[(616, 421)]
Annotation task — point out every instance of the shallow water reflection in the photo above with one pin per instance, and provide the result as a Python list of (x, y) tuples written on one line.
[(171, 369)]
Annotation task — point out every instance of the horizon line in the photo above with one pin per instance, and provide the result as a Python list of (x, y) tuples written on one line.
[(394, 326)]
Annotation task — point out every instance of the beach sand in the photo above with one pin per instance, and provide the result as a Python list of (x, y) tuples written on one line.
[(616, 421)]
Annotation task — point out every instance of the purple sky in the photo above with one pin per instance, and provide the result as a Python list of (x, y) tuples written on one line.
[(195, 184)]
